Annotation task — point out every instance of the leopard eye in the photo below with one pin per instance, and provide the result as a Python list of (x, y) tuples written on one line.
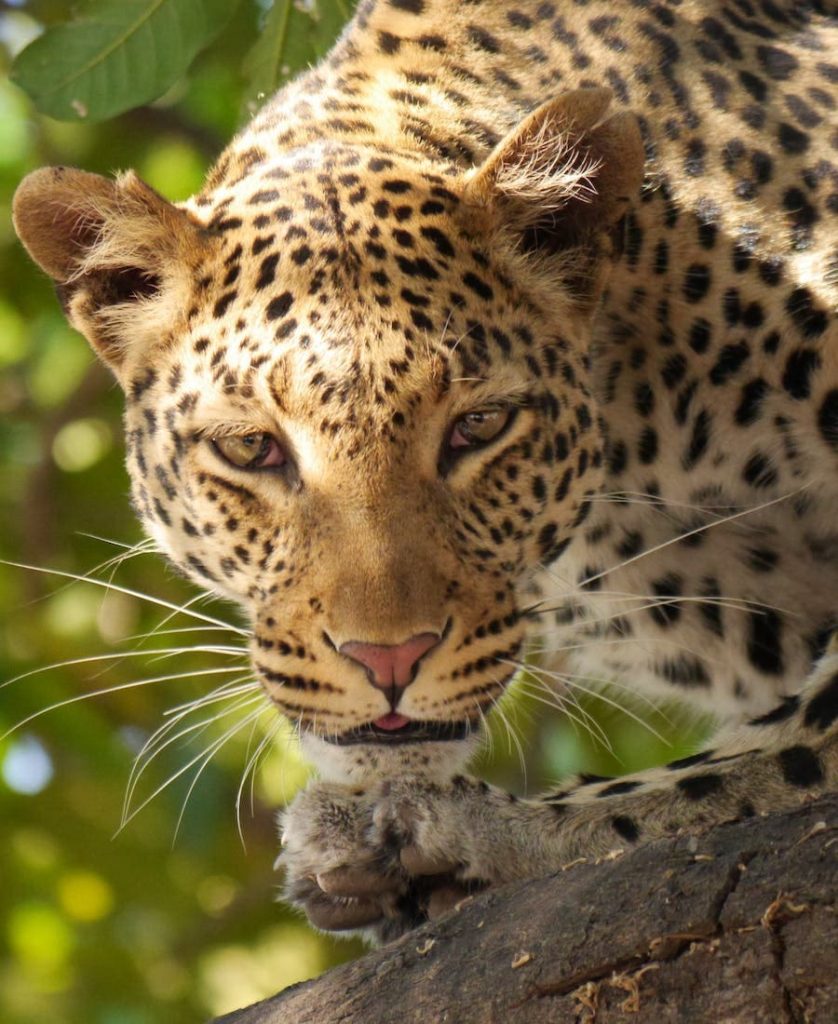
[(479, 427), (250, 451)]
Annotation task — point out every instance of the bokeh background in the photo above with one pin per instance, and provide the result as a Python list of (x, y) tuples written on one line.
[(170, 916)]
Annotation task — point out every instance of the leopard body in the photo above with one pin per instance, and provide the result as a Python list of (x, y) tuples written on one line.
[(452, 215)]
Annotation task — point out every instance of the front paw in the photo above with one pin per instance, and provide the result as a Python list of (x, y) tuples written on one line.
[(365, 861), (442, 830), (332, 872)]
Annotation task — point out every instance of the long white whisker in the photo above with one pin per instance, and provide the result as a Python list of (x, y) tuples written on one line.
[(128, 592), (595, 692), (157, 742), (534, 685), (250, 769), (559, 702), (690, 533), (160, 653), (114, 689), (185, 768), (210, 754)]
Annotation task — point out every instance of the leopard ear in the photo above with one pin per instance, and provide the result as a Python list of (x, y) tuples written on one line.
[(558, 183), (118, 252)]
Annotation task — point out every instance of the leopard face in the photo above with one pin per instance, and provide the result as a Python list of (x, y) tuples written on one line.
[(355, 408), (368, 431)]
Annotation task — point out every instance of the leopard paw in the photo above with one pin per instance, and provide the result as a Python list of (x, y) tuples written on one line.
[(441, 830)]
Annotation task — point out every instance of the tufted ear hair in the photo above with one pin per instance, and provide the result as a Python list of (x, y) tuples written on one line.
[(119, 253), (561, 180)]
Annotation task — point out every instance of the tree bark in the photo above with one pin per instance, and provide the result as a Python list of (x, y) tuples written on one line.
[(735, 926)]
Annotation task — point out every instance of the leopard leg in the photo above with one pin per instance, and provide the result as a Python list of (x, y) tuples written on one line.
[(775, 762), (454, 836)]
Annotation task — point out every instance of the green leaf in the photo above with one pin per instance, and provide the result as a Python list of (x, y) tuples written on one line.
[(116, 55), (294, 35)]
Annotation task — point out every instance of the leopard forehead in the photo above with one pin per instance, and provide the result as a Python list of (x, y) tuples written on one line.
[(349, 290)]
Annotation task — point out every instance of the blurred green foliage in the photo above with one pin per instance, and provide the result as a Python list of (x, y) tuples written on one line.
[(174, 918)]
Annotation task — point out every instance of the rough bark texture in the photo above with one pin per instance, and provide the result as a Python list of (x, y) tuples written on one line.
[(737, 926)]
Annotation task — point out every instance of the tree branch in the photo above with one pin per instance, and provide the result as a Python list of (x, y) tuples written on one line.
[(738, 925)]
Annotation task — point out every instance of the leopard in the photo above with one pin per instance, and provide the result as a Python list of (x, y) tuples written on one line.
[(508, 325)]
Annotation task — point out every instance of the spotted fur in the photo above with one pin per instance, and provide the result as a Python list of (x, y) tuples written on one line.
[(449, 215)]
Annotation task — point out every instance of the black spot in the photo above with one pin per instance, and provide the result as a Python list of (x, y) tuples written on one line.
[(412, 6), (688, 762), (759, 471), (699, 439), (777, 63), (665, 613), (617, 458), (617, 788), (781, 713), (661, 258), (731, 357), (388, 43), (673, 370), (684, 671), (439, 239), (750, 401), (800, 366), (478, 285), (731, 306), (279, 306), (828, 418), (800, 766), (697, 787), (810, 320), (267, 271), (220, 308), (710, 609), (822, 709), (696, 282), (694, 158), (792, 139), (483, 39), (764, 642), (625, 827), (754, 85), (647, 446), (762, 559), (644, 398), (699, 337)]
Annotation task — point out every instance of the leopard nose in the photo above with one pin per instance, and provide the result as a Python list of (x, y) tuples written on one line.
[(391, 665)]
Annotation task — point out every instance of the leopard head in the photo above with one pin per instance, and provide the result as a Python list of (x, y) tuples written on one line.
[(358, 401)]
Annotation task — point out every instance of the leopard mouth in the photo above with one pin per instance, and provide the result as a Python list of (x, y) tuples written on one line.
[(410, 732)]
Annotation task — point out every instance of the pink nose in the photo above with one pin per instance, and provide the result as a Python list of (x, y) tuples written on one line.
[(391, 665)]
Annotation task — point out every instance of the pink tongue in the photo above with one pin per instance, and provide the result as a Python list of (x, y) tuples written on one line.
[(391, 722)]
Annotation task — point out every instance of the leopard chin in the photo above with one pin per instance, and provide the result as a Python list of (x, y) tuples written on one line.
[(362, 761)]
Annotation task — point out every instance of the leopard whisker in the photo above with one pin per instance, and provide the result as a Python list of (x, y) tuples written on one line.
[(212, 748), (114, 689), (689, 533), (253, 717), (159, 740), (250, 770), (129, 592), (114, 656), (573, 680), (591, 725), (537, 690)]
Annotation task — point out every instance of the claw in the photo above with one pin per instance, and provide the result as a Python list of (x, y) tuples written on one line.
[(357, 882), (444, 899), (417, 863), (340, 916)]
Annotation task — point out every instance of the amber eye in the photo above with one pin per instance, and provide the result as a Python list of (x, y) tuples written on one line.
[(479, 427), (250, 451)]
